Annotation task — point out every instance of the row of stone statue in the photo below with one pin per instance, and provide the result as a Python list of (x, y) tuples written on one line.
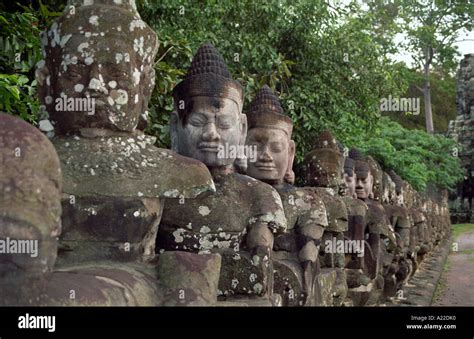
[(217, 220)]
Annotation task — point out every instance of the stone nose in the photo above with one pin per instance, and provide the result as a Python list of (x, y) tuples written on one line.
[(96, 82), (210, 133), (265, 155)]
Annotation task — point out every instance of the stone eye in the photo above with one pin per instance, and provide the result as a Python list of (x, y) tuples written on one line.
[(196, 121)]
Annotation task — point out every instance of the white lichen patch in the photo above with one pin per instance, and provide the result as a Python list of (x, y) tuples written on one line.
[(64, 40), (204, 210), (122, 97), (88, 61), (204, 229), (234, 283), (82, 46), (258, 288), (178, 235), (78, 87), (138, 46), (174, 193), (94, 20), (137, 23), (136, 76)]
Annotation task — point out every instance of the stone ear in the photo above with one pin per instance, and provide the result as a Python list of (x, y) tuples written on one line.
[(241, 160), (243, 127), (174, 121), (147, 82), (289, 174)]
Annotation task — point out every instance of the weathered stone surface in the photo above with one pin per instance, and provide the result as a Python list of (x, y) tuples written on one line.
[(189, 279), (30, 186), (104, 228), (128, 166), (242, 274), (326, 285), (288, 282), (220, 220), (106, 33), (103, 284)]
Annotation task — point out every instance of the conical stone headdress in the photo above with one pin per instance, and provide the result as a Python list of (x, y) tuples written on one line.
[(265, 111), (207, 76), (323, 165)]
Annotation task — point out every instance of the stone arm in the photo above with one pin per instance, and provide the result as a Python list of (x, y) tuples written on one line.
[(268, 220)]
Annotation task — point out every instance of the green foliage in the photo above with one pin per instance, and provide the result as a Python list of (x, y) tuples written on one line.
[(329, 66), (325, 64), (20, 50), (443, 100), (418, 157), (435, 26)]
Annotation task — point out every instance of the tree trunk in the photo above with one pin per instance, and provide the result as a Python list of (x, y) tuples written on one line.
[(427, 94)]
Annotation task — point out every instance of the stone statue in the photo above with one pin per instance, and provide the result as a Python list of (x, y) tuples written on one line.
[(323, 171), (30, 184), (30, 219), (241, 218), (103, 53), (358, 276), (380, 234), (391, 251), (269, 133), (400, 221), (95, 84)]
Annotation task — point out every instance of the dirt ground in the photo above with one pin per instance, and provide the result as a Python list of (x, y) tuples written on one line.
[(458, 280)]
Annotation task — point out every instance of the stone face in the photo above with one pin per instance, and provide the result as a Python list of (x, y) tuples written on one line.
[(208, 93), (101, 51), (297, 249)]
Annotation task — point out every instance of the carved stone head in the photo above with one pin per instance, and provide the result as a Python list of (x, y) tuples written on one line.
[(407, 192), (208, 124), (30, 191), (350, 177), (377, 173), (97, 70), (270, 133), (323, 166), (365, 178), (389, 194), (400, 201)]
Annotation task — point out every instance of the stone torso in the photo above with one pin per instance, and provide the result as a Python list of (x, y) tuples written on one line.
[(335, 208), (302, 207), (220, 220)]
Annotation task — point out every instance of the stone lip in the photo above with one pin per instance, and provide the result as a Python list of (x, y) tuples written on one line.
[(128, 166)]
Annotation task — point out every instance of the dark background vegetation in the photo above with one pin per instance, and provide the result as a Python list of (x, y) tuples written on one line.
[(330, 67)]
